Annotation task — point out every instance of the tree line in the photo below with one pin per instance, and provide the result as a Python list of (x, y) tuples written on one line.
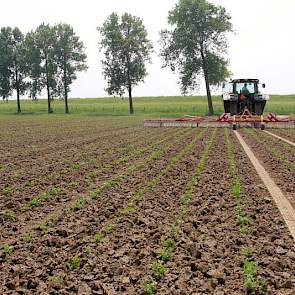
[(50, 57), (47, 58)]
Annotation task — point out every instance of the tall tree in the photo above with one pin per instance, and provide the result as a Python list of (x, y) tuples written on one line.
[(33, 56), (197, 44), (5, 63), (19, 65), (45, 38), (70, 57), (126, 50)]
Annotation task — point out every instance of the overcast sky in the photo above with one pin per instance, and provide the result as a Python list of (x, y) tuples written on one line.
[(263, 46)]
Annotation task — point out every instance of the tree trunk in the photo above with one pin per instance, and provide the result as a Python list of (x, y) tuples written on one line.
[(48, 99), (48, 89), (17, 92), (66, 88), (205, 70), (131, 110)]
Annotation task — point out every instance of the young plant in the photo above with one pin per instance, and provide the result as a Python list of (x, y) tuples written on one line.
[(35, 202), (165, 254), (79, 204), (74, 263), (149, 288), (27, 238), (250, 270), (98, 237), (158, 269), (42, 226), (7, 190), (247, 252), (7, 249), (8, 214), (109, 229), (56, 280)]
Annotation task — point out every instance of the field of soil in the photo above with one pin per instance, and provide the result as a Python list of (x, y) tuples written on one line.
[(106, 206)]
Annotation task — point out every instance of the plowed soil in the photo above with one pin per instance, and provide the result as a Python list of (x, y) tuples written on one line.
[(281, 167), (114, 250)]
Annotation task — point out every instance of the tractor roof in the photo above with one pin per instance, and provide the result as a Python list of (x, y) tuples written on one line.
[(245, 81)]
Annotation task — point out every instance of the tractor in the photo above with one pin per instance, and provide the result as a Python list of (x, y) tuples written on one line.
[(244, 95), (244, 102)]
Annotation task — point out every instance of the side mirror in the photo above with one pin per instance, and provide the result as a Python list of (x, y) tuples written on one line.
[(263, 85)]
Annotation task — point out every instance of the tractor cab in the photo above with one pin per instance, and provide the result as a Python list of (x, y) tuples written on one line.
[(244, 94)]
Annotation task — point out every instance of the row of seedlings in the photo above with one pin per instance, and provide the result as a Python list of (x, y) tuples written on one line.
[(250, 267), (94, 194), (158, 266)]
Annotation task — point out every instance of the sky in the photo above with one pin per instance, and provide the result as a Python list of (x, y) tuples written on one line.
[(262, 46)]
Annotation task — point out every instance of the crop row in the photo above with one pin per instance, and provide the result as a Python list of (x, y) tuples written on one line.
[(250, 266), (114, 181), (138, 196), (158, 266), (282, 157), (129, 153)]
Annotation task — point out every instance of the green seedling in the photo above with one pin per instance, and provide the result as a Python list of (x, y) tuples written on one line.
[(35, 202), (236, 190), (27, 238), (129, 210), (250, 270), (54, 191), (44, 196), (7, 249), (24, 207), (98, 237), (168, 243), (8, 214), (242, 220), (92, 174), (109, 229), (88, 249), (158, 269), (93, 194), (56, 280), (149, 288), (165, 254), (79, 204), (7, 190), (77, 166), (247, 252), (244, 229), (73, 184), (74, 263), (42, 227)]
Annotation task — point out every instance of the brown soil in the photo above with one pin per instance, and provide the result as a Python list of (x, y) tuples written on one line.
[(206, 257)]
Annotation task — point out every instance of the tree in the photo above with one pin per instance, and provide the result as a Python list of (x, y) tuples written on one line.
[(70, 57), (13, 69), (126, 50), (5, 63), (33, 56), (19, 67), (197, 43), (45, 38)]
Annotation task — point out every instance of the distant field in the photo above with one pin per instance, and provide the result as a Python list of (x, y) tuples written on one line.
[(144, 106)]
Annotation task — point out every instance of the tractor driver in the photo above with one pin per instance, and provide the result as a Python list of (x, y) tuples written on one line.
[(244, 97)]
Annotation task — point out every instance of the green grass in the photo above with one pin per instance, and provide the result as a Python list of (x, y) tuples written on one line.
[(144, 106)]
